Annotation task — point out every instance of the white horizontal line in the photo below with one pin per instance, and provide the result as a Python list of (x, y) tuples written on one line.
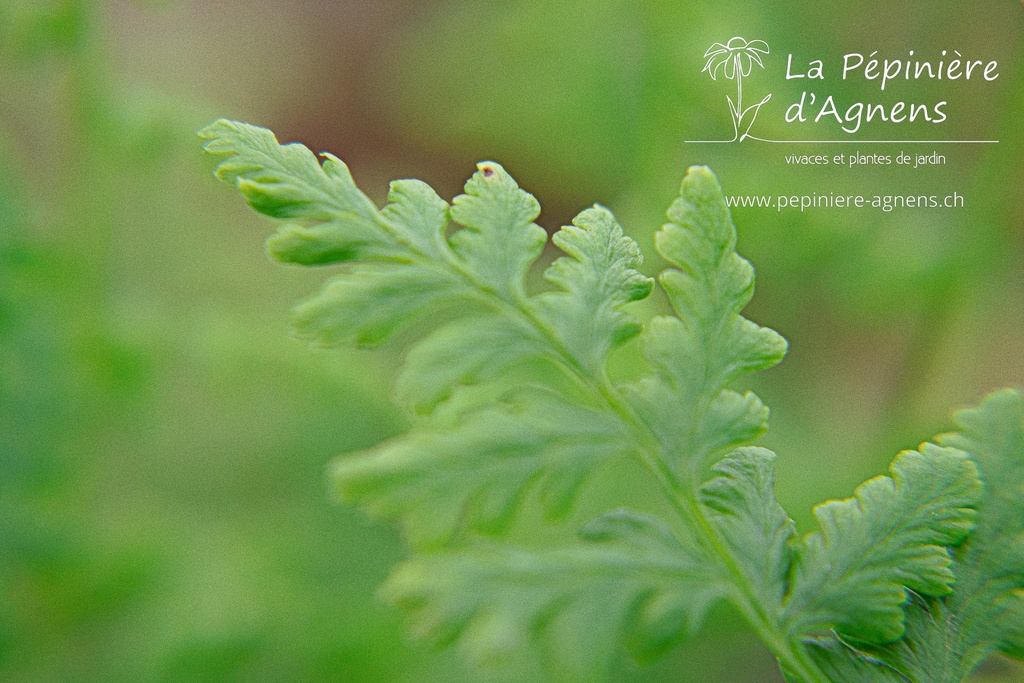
[(856, 142)]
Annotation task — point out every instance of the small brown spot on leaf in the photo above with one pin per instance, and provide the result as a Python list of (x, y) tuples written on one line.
[(488, 171)]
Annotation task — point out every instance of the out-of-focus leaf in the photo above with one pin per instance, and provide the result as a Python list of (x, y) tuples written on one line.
[(629, 579)]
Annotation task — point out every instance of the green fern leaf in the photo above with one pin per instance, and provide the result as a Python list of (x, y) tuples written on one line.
[(629, 579), (474, 473), (853, 575), (500, 239), (596, 279), (370, 302), (288, 181), (696, 355), (515, 409), (470, 351), (948, 637), (756, 528)]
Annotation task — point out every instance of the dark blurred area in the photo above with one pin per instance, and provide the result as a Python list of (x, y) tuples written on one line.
[(164, 514)]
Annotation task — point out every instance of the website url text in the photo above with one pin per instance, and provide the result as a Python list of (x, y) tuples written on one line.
[(845, 201)]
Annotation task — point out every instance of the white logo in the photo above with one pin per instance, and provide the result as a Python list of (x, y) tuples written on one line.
[(736, 60)]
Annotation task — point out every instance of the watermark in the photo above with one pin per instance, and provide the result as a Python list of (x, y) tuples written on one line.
[(860, 159), (736, 58), (832, 200)]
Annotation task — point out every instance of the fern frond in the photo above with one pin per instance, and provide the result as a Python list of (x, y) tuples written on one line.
[(514, 404)]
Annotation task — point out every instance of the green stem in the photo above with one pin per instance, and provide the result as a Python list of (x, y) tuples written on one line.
[(788, 651)]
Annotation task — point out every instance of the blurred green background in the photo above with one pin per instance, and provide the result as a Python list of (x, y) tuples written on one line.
[(164, 514)]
